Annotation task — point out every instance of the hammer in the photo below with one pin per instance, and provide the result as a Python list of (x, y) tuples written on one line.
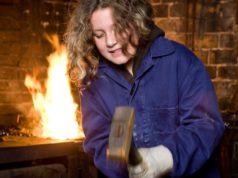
[(121, 146)]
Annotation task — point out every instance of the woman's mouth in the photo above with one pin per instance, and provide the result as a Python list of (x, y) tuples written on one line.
[(115, 52)]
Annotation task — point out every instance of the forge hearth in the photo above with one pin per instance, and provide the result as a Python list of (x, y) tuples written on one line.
[(33, 157)]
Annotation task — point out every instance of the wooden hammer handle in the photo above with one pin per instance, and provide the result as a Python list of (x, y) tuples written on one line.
[(134, 155)]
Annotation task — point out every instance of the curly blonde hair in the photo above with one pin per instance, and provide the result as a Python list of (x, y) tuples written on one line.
[(133, 15)]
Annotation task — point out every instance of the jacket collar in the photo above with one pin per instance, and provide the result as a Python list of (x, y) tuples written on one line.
[(159, 48)]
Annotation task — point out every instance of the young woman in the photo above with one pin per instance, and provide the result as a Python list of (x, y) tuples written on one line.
[(120, 58)]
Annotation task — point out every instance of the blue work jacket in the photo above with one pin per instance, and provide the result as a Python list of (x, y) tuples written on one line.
[(175, 106)]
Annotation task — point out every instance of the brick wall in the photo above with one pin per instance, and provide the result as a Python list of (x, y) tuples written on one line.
[(209, 28)]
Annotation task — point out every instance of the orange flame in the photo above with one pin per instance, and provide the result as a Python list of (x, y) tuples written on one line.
[(55, 105)]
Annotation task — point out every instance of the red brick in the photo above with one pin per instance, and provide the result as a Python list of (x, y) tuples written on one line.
[(160, 10), (10, 48), (7, 97), (10, 36), (223, 57), (212, 70), (7, 109), (9, 23), (11, 73), (12, 86), (155, 1), (225, 89), (9, 11), (228, 72), (234, 101), (9, 60), (202, 55), (207, 41), (227, 41), (181, 38), (31, 61), (225, 24), (171, 25), (10, 2), (227, 9), (178, 10), (224, 104), (171, 1)]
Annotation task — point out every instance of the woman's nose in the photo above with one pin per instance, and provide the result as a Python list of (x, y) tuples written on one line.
[(111, 40)]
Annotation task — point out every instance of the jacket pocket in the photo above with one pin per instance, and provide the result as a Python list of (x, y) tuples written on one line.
[(164, 120)]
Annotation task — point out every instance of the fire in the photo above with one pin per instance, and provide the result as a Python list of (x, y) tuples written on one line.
[(55, 104)]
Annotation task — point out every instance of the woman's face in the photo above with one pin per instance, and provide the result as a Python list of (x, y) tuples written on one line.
[(106, 41)]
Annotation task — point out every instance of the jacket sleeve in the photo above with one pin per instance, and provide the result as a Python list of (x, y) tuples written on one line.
[(200, 124), (96, 125)]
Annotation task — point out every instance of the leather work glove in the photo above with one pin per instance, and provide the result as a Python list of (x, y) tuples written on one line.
[(156, 162)]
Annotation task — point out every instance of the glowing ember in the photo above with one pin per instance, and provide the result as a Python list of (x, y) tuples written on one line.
[(55, 104)]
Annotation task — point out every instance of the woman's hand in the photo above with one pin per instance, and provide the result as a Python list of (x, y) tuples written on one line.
[(156, 161)]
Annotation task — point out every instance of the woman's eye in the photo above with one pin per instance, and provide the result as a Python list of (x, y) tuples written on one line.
[(98, 35)]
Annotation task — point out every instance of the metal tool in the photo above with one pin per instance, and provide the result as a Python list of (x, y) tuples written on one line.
[(121, 146)]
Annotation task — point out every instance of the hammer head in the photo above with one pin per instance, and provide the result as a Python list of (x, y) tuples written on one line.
[(121, 133)]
